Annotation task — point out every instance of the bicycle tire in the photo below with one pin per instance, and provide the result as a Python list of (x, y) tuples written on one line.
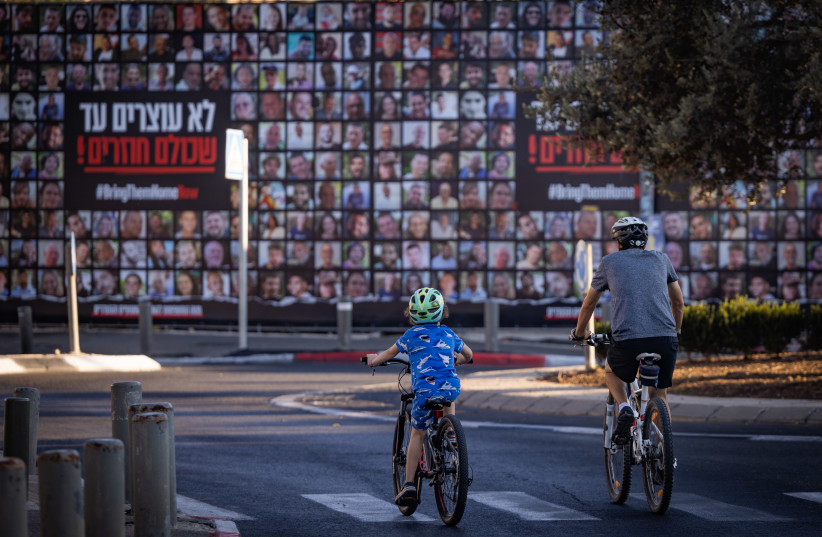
[(618, 464), (658, 466), (451, 481), (402, 435)]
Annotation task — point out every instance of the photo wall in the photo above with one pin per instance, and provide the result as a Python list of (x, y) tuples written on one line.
[(388, 150)]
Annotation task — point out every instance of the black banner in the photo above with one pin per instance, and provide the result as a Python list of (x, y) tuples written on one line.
[(146, 150), (552, 177)]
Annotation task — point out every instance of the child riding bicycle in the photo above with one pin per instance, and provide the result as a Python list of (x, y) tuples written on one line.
[(433, 350)]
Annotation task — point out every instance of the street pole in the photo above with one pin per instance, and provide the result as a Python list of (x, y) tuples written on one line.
[(73, 324), (243, 283)]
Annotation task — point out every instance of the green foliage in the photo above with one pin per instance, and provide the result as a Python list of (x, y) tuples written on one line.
[(742, 325), (813, 328), (699, 322), (703, 94), (782, 323)]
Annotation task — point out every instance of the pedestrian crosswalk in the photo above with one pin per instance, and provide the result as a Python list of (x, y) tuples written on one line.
[(367, 508)]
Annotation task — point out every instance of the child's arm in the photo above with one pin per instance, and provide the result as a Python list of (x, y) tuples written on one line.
[(376, 359), (465, 356)]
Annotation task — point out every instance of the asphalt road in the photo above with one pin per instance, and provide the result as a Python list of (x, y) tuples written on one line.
[(289, 472)]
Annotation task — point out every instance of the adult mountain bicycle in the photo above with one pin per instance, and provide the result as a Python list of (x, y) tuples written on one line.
[(444, 459), (651, 441)]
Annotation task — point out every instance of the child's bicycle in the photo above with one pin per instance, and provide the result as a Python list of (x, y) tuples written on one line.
[(651, 443), (444, 459)]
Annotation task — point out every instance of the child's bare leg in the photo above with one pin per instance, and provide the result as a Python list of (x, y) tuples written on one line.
[(413, 455)]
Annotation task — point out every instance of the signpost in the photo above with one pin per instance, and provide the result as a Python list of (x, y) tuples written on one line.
[(236, 169), (583, 275)]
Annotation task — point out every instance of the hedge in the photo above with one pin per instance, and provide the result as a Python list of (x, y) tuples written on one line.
[(743, 326)]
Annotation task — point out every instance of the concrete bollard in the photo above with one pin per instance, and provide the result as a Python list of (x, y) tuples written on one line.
[(104, 488), (123, 395), (26, 331), (14, 515), (16, 429), (33, 395), (491, 325), (145, 327), (150, 505), (61, 494), (168, 410)]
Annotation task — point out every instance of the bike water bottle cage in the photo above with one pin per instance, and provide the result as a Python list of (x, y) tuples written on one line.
[(426, 305), (648, 370), (630, 232)]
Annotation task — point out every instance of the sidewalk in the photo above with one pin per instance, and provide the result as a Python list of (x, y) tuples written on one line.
[(187, 526)]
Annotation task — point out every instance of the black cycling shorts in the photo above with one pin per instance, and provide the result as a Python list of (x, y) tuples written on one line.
[(622, 357)]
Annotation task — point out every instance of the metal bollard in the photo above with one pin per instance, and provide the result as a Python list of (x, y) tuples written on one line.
[(145, 327), (345, 312), (104, 489), (150, 503), (14, 516), (16, 429), (491, 325), (168, 410), (33, 395), (61, 494), (123, 395), (26, 330)]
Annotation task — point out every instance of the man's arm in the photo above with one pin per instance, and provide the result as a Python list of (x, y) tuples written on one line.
[(587, 309), (677, 304)]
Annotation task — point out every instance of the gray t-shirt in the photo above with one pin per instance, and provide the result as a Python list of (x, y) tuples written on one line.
[(638, 281)]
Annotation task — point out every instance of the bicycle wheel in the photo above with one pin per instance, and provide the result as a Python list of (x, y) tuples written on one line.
[(451, 481), (618, 461), (658, 466), (402, 435)]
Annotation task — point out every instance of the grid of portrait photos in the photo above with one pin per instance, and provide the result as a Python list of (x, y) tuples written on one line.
[(382, 154)]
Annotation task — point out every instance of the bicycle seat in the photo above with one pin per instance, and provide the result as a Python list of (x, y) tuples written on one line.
[(437, 403), (648, 357)]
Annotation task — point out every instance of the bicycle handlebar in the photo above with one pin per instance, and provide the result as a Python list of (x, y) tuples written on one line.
[(401, 361), (593, 340)]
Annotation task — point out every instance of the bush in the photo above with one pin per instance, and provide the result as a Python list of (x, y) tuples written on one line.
[(741, 325)]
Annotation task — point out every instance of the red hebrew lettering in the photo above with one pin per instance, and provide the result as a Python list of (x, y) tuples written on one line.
[(208, 150)]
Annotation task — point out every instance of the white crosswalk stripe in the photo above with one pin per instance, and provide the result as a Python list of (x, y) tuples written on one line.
[(364, 507), (810, 496), (526, 506), (714, 510)]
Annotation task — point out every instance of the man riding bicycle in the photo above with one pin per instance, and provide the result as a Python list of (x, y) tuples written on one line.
[(647, 307)]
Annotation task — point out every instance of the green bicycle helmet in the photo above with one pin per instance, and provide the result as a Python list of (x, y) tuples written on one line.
[(426, 305)]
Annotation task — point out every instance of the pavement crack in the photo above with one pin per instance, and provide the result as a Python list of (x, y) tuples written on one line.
[(564, 491)]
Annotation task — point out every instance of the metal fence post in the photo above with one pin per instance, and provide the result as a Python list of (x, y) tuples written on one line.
[(123, 395), (168, 410), (104, 488), (145, 327), (150, 503), (26, 330), (345, 313), (33, 395), (61, 494), (14, 516), (491, 325), (16, 429)]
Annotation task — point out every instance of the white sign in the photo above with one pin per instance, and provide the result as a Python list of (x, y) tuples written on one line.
[(234, 158), (583, 267)]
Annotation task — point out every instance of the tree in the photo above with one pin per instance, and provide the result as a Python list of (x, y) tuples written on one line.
[(703, 93)]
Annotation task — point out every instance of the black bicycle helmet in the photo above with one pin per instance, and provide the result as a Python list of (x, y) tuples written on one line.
[(630, 232)]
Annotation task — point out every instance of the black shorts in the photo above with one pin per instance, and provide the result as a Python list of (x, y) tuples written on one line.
[(622, 357)]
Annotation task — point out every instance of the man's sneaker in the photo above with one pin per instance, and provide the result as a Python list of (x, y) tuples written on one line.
[(622, 434), (407, 496)]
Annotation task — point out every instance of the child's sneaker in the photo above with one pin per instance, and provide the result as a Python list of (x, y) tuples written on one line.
[(407, 496), (622, 434)]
